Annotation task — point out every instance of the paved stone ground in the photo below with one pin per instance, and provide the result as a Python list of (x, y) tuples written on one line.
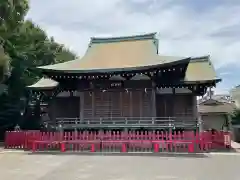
[(23, 166)]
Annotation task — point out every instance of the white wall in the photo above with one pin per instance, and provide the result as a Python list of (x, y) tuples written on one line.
[(235, 93), (212, 121)]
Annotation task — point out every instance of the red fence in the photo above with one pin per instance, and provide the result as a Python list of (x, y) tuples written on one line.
[(187, 141)]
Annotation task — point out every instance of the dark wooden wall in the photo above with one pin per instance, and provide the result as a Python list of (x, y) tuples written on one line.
[(134, 103), (169, 105), (65, 107), (122, 103)]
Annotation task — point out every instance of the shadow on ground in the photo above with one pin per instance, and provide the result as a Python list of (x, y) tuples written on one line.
[(162, 154), (231, 150)]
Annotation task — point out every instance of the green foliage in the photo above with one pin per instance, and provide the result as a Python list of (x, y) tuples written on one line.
[(4, 65), (236, 116), (25, 45), (12, 13)]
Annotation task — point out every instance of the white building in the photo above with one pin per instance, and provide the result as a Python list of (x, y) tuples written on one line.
[(235, 93)]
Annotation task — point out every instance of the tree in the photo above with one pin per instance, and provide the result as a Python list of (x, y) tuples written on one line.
[(4, 65), (236, 116), (25, 45), (12, 13), (4, 70)]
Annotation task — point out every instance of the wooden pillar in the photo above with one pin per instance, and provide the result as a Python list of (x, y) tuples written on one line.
[(131, 103), (121, 103), (154, 102), (173, 102), (93, 104), (165, 106), (195, 108), (196, 116), (81, 106), (200, 123), (50, 109), (141, 95)]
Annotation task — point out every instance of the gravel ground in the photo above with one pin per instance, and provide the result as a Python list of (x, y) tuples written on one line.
[(23, 166)]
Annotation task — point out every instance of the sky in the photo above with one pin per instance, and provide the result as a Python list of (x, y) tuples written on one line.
[(184, 27)]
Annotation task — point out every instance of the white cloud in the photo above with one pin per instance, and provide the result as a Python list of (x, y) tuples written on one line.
[(184, 30)]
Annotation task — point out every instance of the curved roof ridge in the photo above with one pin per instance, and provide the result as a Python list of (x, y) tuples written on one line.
[(123, 38), (200, 58)]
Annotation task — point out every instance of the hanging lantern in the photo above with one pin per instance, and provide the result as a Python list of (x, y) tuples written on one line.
[(145, 90)]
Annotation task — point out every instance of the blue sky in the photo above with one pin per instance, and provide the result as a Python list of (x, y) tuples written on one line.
[(185, 27)]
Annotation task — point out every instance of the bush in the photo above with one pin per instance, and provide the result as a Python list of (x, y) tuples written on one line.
[(236, 116)]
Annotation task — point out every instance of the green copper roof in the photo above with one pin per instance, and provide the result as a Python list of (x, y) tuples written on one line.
[(129, 53), (117, 54), (44, 83), (200, 69)]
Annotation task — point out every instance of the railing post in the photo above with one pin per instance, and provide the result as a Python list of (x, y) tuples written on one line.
[(92, 147), (63, 147), (156, 147), (33, 146), (124, 147)]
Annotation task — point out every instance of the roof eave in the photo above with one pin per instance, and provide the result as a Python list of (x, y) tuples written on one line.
[(217, 80), (41, 88), (43, 84), (111, 70)]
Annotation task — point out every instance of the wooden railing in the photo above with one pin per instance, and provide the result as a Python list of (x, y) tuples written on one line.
[(119, 141), (128, 121)]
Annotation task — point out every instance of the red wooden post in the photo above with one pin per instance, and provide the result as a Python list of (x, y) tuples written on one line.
[(6, 139), (156, 147), (191, 147), (25, 140), (92, 147), (63, 149), (124, 148), (191, 144), (33, 146)]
